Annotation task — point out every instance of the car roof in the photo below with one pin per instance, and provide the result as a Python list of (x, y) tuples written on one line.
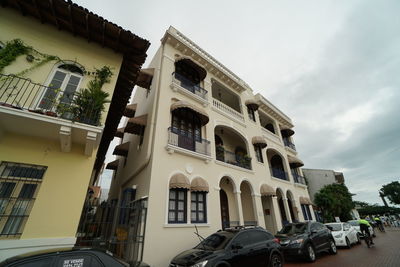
[(54, 251)]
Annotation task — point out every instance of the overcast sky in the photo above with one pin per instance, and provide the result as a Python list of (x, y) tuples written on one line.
[(332, 66)]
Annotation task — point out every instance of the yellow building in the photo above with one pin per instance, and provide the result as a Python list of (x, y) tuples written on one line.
[(50, 127)]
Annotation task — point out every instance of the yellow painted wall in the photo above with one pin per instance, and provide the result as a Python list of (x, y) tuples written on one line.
[(47, 39), (59, 202)]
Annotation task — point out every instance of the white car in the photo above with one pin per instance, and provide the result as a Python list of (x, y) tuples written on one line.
[(356, 225), (344, 234)]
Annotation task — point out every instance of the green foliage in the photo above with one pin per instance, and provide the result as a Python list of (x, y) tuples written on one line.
[(11, 51), (392, 192), (335, 201), (360, 203), (377, 209), (89, 102)]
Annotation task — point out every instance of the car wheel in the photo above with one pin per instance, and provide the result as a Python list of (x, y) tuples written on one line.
[(348, 245), (276, 260), (358, 239), (310, 253), (332, 247)]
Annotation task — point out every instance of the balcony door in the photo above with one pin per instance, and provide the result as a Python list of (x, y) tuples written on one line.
[(187, 126), (61, 88)]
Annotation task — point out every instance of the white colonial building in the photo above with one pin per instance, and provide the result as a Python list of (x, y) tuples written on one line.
[(204, 151)]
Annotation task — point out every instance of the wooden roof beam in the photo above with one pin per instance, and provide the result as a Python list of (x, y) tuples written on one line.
[(53, 12)]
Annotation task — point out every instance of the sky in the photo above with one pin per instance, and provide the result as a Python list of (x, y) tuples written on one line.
[(331, 66)]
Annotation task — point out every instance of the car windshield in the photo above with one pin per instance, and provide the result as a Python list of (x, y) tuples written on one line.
[(354, 223), (291, 229), (216, 241), (335, 226)]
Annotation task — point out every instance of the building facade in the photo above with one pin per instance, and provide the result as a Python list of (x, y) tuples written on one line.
[(49, 129), (204, 151), (317, 178)]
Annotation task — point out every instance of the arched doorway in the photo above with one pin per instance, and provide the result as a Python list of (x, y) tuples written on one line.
[(249, 217), (267, 193), (228, 205), (276, 165)]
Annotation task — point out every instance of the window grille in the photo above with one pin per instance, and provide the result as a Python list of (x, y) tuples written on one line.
[(198, 207), (19, 184)]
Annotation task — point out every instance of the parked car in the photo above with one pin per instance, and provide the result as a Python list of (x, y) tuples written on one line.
[(306, 239), (82, 257), (236, 247), (344, 234), (356, 225)]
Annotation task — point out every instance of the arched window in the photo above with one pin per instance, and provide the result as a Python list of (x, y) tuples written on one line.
[(270, 127), (63, 83)]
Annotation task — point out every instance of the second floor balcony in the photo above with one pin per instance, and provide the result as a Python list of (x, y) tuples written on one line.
[(289, 144), (229, 157), (278, 173), (186, 141), (299, 179)]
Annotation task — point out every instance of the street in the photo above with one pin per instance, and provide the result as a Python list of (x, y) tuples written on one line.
[(385, 253)]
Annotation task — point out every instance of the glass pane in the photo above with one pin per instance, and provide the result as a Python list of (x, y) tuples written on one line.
[(6, 189), (201, 216), (193, 206), (200, 197), (50, 95), (180, 217), (27, 191), (200, 206), (171, 216), (193, 216), (181, 195), (193, 196), (172, 205), (172, 194), (181, 205), (70, 89)]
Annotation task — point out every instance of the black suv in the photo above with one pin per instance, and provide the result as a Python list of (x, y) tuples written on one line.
[(236, 247), (306, 239)]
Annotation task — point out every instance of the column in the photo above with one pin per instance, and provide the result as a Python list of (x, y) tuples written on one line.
[(277, 214), (258, 210), (312, 213), (286, 206), (239, 207)]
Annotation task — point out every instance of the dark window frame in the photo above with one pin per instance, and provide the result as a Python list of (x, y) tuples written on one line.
[(259, 155), (252, 114), (197, 211), (187, 123), (176, 209)]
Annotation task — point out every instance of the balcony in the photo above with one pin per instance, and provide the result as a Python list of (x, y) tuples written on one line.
[(181, 142), (232, 158), (48, 113), (299, 179), (277, 173), (289, 144), (228, 111), (185, 86)]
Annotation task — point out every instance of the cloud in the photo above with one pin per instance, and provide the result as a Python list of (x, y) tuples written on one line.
[(346, 107)]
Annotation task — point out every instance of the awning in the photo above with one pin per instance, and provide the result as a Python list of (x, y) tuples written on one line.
[(259, 141), (294, 162), (122, 149), (199, 185), (200, 70), (179, 181), (135, 125), (145, 77), (287, 132), (130, 110), (252, 104), (120, 132), (267, 190), (113, 165), (186, 105), (305, 201)]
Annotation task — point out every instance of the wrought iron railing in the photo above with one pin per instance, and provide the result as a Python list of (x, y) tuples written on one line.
[(182, 139), (299, 179), (23, 94), (189, 85), (232, 158), (278, 173), (289, 144)]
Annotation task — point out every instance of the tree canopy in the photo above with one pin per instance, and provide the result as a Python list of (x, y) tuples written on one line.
[(392, 192), (377, 210), (334, 200)]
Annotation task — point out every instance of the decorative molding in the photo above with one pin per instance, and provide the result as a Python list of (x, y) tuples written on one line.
[(177, 88), (233, 166), (186, 225), (91, 142), (171, 149), (65, 138)]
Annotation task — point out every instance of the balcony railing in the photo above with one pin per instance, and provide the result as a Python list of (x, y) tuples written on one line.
[(230, 112), (181, 139), (189, 85), (289, 144), (299, 179), (23, 94), (232, 158), (278, 173)]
